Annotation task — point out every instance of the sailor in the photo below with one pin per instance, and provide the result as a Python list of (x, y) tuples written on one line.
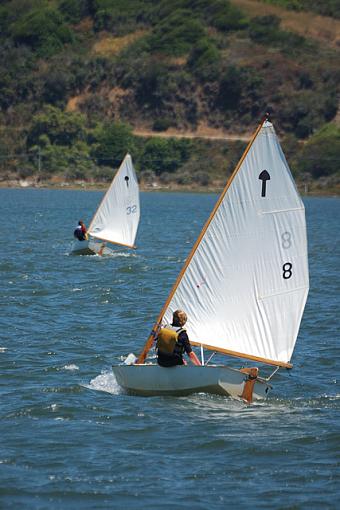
[(80, 232), (173, 341)]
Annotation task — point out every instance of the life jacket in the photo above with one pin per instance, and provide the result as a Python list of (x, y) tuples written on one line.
[(79, 234), (167, 340)]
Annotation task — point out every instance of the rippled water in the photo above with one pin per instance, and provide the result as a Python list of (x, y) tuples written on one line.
[(70, 438)]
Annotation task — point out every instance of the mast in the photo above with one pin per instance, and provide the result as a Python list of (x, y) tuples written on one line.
[(157, 325), (132, 246)]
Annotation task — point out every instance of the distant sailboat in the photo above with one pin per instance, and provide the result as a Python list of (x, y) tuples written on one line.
[(244, 285), (117, 217)]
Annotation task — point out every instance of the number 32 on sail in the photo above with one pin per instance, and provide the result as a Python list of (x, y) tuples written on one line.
[(244, 285)]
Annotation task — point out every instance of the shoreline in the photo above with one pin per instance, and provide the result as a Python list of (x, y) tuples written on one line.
[(304, 190)]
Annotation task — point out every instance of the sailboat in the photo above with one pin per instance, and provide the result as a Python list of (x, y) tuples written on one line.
[(117, 217), (243, 286)]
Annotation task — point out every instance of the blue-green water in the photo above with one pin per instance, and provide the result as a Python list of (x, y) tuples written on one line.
[(71, 439)]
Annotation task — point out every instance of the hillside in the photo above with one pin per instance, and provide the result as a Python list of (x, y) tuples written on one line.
[(83, 81)]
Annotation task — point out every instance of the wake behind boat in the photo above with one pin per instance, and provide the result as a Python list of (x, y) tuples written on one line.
[(244, 285), (117, 217)]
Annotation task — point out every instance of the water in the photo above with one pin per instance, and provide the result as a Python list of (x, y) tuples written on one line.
[(71, 438)]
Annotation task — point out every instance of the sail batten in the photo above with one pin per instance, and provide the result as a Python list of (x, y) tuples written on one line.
[(117, 217), (284, 210)]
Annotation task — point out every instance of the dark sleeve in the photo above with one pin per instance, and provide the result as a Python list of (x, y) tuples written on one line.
[(184, 340)]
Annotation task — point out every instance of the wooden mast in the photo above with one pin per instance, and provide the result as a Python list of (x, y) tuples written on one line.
[(244, 356), (157, 325), (133, 246)]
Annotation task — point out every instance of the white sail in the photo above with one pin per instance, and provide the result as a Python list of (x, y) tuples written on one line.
[(246, 284), (117, 217)]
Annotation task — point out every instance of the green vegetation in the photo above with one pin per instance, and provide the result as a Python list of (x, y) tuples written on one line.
[(325, 7), (176, 34), (72, 106), (266, 30), (320, 155), (43, 29)]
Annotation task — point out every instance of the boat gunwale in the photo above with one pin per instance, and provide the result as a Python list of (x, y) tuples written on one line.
[(261, 380)]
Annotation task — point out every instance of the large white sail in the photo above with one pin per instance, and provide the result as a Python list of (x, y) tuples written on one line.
[(246, 284), (117, 217)]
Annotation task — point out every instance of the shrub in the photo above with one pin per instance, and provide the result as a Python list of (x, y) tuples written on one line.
[(225, 17), (153, 84), (112, 142), (164, 155), (204, 60), (266, 30), (104, 173), (220, 14), (230, 89), (53, 126), (120, 16), (4, 18), (75, 10), (325, 8), (183, 178), (305, 110), (203, 178), (57, 86), (43, 29), (73, 162), (176, 34), (320, 155), (161, 124), (147, 176)]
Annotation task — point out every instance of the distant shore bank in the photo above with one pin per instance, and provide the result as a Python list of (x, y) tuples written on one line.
[(311, 189)]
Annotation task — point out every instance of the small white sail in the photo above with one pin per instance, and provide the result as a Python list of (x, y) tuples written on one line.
[(117, 216), (246, 284)]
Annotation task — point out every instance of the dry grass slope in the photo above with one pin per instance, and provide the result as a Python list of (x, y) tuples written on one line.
[(110, 46)]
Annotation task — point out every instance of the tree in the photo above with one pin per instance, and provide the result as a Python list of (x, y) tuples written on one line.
[(164, 155), (112, 142), (320, 155), (71, 162), (56, 127), (43, 29)]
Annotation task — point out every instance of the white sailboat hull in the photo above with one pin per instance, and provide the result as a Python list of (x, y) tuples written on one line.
[(91, 247), (151, 380)]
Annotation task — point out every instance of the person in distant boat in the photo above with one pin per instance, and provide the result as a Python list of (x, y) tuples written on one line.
[(173, 341), (80, 232)]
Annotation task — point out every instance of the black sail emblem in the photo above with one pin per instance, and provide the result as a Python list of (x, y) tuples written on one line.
[(127, 180), (264, 177)]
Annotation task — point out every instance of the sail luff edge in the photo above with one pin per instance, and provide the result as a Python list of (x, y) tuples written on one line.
[(107, 191)]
